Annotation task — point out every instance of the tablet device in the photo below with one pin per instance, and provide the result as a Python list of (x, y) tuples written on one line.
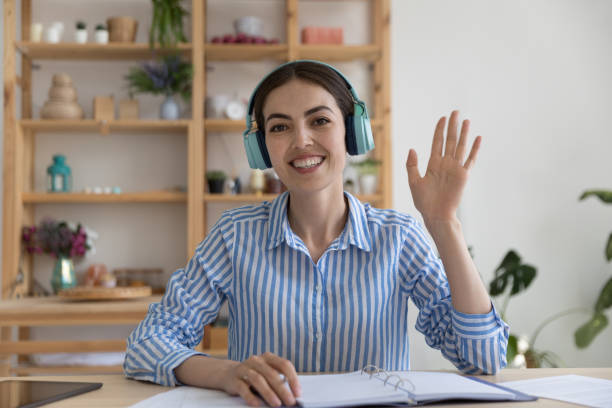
[(29, 394)]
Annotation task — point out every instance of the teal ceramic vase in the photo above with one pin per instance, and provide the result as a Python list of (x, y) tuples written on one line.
[(63, 274)]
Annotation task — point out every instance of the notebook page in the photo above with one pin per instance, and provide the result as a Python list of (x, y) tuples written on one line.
[(432, 386), (342, 390)]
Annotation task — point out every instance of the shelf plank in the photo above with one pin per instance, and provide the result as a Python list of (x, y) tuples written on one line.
[(245, 52), (84, 198), (254, 198), (61, 346), (238, 198), (91, 125), (224, 125), (330, 52), (82, 370), (92, 51)]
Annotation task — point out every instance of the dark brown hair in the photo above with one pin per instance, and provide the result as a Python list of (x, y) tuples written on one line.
[(313, 72)]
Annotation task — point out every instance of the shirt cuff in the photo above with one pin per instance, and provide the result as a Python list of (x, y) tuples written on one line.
[(173, 360), (477, 326)]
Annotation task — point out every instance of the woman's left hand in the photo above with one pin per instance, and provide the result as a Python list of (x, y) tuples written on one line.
[(437, 194)]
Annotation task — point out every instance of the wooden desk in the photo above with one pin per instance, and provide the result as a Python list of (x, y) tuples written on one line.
[(52, 311), (118, 391)]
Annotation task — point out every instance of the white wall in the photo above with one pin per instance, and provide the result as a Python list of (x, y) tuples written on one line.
[(531, 76)]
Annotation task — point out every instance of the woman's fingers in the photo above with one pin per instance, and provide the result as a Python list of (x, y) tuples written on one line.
[(244, 390), (412, 167), (286, 368), (473, 153), (460, 152), (451, 135), (255, 378), (438, 139)]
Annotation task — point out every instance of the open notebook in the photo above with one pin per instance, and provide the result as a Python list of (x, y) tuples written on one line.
[(378, 387)]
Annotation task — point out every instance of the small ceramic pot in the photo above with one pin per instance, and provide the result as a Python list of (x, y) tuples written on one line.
[(122, 29), (52, 35), (249, 25), (80, 36), (169, 109), (101, 36), (215, 186)]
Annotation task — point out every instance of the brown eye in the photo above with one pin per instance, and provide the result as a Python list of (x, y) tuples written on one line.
[(321, 121), (278, 128)]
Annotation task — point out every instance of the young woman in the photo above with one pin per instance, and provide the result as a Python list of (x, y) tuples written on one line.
[(315, 280)]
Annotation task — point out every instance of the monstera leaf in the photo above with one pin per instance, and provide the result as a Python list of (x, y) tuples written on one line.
[(512, 269), (603, 195), (587, 332)]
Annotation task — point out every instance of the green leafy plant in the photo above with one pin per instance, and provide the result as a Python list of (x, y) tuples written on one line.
[(368, 166), (168, 76), (100, 27), (80, 25), (215, 175), (512, 277), (167, 25), (586, 333)]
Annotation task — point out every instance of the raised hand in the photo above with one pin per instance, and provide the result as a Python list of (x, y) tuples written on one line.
[(437, 194)]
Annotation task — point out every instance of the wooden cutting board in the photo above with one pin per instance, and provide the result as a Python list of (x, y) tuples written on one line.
[(100, 293)]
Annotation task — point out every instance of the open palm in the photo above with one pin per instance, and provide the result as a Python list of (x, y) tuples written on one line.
[(437, 194)]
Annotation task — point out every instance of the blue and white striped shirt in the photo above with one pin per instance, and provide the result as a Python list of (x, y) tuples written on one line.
[(347, 310)]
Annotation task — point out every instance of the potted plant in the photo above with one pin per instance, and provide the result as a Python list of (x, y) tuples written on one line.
[(585, 334), (167, 24), (101, 34), (368, 175), (216, 181), (169, 76), (80, 35), (62, 240)]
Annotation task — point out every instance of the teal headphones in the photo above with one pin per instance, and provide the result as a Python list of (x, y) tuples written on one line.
[(358, 136)]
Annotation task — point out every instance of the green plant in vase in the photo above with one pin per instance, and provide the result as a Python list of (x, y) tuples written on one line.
[(169, 76), (512, 277), (586, 333), (64, 241), (368, 175), (167, 24), (216, 181)]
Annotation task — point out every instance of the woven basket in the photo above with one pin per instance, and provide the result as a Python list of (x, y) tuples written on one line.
[(122, 29)]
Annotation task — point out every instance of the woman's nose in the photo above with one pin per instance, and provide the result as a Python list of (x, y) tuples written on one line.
[(302, 137)]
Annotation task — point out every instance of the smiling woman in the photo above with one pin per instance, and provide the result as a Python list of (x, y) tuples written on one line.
[(315, 280)]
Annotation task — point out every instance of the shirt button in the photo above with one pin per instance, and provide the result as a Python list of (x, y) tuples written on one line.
[(319, 287), (318, 336)]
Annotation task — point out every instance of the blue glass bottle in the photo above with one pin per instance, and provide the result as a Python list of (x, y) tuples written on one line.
[(59, 179)]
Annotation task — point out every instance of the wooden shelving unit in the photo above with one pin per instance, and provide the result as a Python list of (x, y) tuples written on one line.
[(21, 199)]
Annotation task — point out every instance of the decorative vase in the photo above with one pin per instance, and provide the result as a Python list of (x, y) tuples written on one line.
[(169, 108), (63, 274), (62, 102)]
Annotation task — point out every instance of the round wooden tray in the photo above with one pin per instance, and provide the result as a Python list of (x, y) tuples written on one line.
[(100, 293)]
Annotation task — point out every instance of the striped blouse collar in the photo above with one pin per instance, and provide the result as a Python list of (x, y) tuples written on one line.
[(356, 232)]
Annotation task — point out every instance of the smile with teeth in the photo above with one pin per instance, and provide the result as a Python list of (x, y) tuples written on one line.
[(307, 163)]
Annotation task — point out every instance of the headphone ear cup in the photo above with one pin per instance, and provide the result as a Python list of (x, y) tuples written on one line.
[(263, 149), (351, 143), (257, 153), (362, 140)]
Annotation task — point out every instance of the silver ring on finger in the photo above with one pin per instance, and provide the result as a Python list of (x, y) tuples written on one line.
[(245, 378)]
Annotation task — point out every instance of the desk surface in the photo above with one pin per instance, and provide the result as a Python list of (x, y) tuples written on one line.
[(118, 391)]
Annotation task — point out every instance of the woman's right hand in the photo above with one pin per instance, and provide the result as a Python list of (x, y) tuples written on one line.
[(265, 375)]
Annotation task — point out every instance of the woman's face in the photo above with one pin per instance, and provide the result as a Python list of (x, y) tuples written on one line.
[(304, 130)]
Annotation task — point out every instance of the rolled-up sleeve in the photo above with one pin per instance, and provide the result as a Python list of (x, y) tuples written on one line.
[(174, 326), (474, 343)]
